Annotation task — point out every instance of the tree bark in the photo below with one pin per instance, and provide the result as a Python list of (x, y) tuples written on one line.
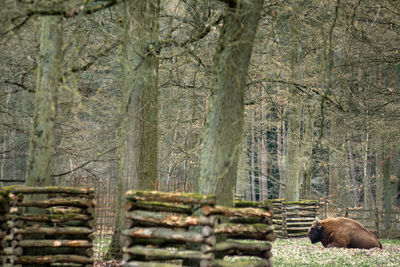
[(368, 201), (354, 184), (387, 192), (42, 137), (219, 160), (139, 127)]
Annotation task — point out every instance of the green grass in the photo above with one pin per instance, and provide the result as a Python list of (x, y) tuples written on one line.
[(300, 252)]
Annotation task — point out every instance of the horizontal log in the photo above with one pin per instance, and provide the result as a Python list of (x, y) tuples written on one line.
[(69, 210), (302, 208), (250, 231), (84, 203), (53, 230), (295, 224), (49, 190), (166, 254), (239, 263), (185, 198), (129, 241), (303, 202), (158, 206), (167, 219), (163, 233), (300, 214), (53, 218), (252, 204), (55, 243), (54, 259), (227, 228), (247, 220), (240, 212), (17, 251), (302, 229), (240, 249), (301, 219), (146, 264), (64, 195)]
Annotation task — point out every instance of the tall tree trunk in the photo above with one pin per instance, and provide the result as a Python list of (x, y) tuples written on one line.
[(294, 171), (387, 191), (263, 166), (334, 162), (379, 183), (218, 171), (344, 177), (281, 148), (307, 164), (42, 140), (263, 154), (252, 160), (139, 130), (292, 189), (354, 184), (368, 201)]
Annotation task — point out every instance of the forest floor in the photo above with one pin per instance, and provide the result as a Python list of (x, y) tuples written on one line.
[(300, 252)]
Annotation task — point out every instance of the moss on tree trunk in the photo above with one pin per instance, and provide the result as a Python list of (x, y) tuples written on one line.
[(223, 141)]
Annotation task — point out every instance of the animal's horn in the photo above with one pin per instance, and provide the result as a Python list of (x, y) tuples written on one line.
[(316, 220)]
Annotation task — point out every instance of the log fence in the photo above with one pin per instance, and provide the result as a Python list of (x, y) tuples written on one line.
[(159, 225), (299, 217), (247, 220), (293, 218), (49, 226)]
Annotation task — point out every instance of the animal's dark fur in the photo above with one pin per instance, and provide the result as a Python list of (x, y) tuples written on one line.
[(342, 233)]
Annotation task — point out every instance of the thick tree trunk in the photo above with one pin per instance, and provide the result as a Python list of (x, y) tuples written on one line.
[(42, 140), (140, 88), (241, 184), (139, 131), (218, 171)]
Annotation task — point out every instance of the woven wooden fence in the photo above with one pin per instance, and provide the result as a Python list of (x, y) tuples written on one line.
[(49, 226)]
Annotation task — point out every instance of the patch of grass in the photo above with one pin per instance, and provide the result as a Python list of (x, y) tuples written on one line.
[(300, 252)]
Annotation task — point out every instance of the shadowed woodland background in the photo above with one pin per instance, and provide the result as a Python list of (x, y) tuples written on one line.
[(320, 98)]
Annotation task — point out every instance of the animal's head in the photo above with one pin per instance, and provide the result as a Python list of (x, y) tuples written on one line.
[(315, 232)]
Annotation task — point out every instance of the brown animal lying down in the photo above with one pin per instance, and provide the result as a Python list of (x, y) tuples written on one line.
[(342, 233)]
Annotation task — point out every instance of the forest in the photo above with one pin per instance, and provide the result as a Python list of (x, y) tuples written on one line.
[(244, 99)]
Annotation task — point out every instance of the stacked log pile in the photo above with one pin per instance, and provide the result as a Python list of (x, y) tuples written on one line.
[(279, 220), (4, 230), (248, 220), (299, 216), (159, 225), (50, 226)]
